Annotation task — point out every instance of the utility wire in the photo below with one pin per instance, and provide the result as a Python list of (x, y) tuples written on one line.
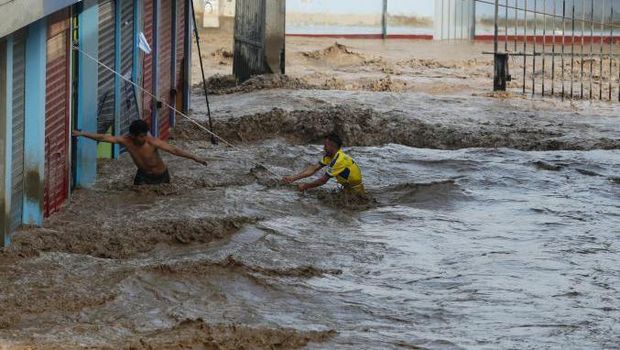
[(193, 121)]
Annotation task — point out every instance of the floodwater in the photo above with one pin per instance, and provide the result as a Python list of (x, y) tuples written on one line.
[(474, 248), (490, 223)]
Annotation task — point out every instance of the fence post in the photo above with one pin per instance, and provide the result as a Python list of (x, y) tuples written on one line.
[(384, 19), (500, 60)]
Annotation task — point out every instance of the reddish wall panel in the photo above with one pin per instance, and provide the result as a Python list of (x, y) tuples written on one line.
[(165, 67), (57, 113), (147, 62), (180, 53)]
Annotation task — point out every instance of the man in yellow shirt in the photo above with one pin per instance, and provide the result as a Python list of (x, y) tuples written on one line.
[(339, 165)]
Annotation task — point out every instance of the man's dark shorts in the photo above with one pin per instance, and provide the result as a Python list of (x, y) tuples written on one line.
[(142, 178)]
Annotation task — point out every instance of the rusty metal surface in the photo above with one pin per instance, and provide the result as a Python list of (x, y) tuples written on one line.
[(249, 58), (180, 53), (147, 61), (165, 51), (259, 38), (129, 107), (57, 113), (105, 94)]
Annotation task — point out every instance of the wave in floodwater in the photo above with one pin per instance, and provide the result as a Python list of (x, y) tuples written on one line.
[(452, 249)]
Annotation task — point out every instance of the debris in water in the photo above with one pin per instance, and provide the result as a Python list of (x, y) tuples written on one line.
[(547, 166)]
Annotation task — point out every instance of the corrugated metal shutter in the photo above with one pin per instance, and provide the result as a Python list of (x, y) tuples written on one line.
[(454, 19), (129, 106), (19, 89), (147, 64), (180, 61), (164, 68), (249, 38), (57, 113), (105, 101)]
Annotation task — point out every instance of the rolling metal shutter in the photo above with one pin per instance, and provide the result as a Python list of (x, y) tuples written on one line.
[(180, 52), (19, 90), (164, 68), (105, 101), (129, 106), (57, 113), (147, 63)]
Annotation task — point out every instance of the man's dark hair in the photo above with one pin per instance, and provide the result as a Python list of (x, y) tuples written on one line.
[(333, 137), (138, 127)]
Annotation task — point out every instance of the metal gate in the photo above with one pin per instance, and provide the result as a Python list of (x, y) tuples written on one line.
[(249, 57), (105, 101), (165, 52), (57, 113), (564, 48), (129, 104), (19, 90), (259, 38), (147, 63)]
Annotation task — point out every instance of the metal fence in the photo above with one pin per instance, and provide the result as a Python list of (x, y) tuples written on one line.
[(564, 48)]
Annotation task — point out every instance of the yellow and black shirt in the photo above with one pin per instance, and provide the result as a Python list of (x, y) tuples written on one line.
[(344, 169)]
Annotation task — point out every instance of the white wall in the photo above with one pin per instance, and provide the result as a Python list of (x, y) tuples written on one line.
[(358, 16), (16, 14)]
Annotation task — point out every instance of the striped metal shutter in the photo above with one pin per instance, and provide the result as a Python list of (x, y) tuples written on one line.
[(57, 113), (165, 51), (129, 106), (19, 89), (147, 63), (105, 101), (180, 52)]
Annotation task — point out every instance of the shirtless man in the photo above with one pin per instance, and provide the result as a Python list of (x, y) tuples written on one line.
[(143, 149)]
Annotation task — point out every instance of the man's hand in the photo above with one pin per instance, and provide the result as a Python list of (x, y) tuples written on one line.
[(288, 179), (77, 133), (302, 187), (201, 161)]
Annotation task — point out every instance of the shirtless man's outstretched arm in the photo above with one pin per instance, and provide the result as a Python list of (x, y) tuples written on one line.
[(166, 147), (99, 137), (159, 144)]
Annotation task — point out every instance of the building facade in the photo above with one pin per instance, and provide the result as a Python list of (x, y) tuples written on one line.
[(76, 64)]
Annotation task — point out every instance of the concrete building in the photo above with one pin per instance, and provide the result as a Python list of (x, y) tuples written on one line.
[(53, 78), (362, 18)]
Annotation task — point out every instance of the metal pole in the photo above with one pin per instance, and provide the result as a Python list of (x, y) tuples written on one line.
[(496, 28), (591, 45), (496, 70), (524, 45), (600, 73), (555, 12), (202, 70), (534, 48), (506, 29), (384, 19), (572, 55), (544, 45), (611, 50), (583, 27), (563, 43), (516, 23)]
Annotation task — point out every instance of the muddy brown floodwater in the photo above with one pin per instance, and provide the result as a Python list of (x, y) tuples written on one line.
[(491, 221)]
